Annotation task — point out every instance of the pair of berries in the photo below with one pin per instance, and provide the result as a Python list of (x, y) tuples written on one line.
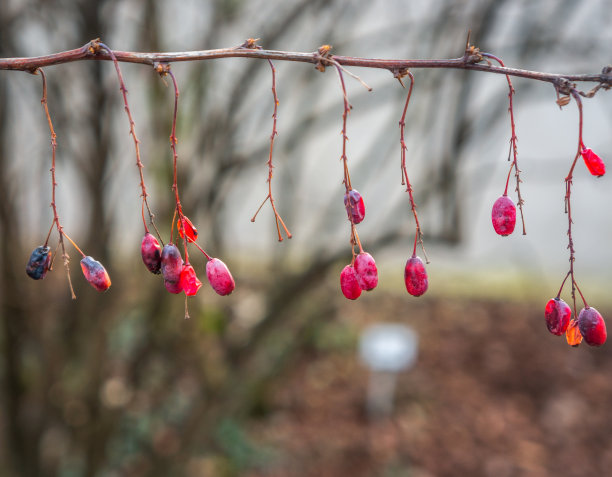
[(40, 263), (180, 276), (590, 325), (361, 275)]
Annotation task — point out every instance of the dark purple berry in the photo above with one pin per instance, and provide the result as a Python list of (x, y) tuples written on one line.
[(171, 263), (39, 263)]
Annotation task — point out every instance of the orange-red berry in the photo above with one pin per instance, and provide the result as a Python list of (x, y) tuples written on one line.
[(185, 227), (188, 281), (594, 163)]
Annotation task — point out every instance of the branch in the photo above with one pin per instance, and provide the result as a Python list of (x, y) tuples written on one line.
[(471, 60)]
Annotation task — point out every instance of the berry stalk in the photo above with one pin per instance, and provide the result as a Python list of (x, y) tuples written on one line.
[(405, 180), (270, 197), (513, 139)]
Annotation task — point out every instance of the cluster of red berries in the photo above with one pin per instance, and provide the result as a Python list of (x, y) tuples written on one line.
[(589, 325), (361, 274), (178, 274)]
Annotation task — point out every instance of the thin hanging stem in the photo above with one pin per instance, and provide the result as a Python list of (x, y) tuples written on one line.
[(139, 163), (405, 180), (56, 219), (270, 197)]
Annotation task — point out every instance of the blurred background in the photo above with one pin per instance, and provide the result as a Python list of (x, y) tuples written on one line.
[(268, 381)]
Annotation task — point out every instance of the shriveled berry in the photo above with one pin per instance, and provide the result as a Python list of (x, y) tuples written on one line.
[(504, 216), (189, 281), (349, 284), (592, 326), (219, 277), (557, 314), (415, 276), (185, 227), (39, 263), (150, 251), (366, 271), (594, 163), (95, 274), (355, 207), (173, 287), (572, 334), (171, 263)]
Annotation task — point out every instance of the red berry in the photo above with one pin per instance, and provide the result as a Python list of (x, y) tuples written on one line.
[(557, 314), (39, 263), (503, 215), (365, 271), (185, 227), (592, 326), (354, 206), (593, 162), (171, 263), (95, 274), (219, 277), (572, 335), (349, 284), (415, 276), (189, 282), (150, 250)]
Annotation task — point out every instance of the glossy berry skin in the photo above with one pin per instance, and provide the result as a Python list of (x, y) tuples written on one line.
[(188, 281), (219, 277), (594, 163), (503, 216), (354, 206), (39, 263), (185, 227), (171, 263), (366, 271), (592, 326), (415, 276), (150, 250), (95, 274), (572, 334), (349, 284), (557, 314)]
